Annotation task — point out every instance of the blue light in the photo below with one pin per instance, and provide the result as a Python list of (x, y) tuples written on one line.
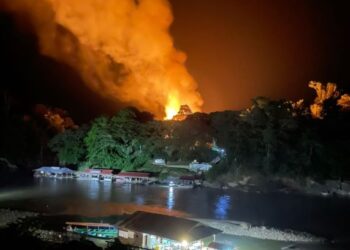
[(170, 201), (140, 200), (222, 206)]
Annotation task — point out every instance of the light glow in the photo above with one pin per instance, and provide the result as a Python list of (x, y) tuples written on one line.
[(184, 243), (172, 107)]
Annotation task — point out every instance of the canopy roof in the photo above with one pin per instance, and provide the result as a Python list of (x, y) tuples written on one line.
[(55, 170), (174, 228)]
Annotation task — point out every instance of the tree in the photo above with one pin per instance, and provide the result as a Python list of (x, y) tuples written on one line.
[(70, 146), (117, 142), (100, 144)]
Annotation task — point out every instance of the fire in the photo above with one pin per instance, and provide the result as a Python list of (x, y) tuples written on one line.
[(122, 49), (172, 107)]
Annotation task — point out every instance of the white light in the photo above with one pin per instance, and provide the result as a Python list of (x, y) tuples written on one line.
[(184, 243)]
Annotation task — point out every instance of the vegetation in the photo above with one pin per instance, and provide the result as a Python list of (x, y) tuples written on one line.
[(273, 137), (69, 146), (23, 135)]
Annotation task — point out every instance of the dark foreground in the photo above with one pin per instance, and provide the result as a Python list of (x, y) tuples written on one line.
[(57, 200), (47, 232)]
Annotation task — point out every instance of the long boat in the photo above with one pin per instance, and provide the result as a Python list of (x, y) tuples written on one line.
[(97, 230)]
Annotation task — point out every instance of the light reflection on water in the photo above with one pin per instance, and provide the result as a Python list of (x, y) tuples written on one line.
[(222, 206), (93, 198), (93, 190), (170, 200), (140, 200)]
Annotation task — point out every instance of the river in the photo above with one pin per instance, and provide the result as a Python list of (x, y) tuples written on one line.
[(322, 216)]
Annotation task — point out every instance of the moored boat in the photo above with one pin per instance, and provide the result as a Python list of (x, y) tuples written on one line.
[(97, 230)]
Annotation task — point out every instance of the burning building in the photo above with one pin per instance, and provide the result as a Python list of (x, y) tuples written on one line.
[(184, 111)]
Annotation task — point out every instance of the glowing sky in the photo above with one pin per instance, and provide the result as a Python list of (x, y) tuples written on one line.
[(241, 49), (236, 50)]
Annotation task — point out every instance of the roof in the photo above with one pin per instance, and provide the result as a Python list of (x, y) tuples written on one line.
[(55, 170), (88, 224), (92, 170), (107, 171), (133, 174), (170, 227), (98, 171), (219, 246)]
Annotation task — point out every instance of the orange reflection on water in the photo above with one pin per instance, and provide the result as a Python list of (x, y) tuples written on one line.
[(100, 209)]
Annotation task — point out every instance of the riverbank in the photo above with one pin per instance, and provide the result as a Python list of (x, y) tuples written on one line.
[(42, 231), (326, 217), (8, 216), (49, 231), (245, 229), (309, 186)]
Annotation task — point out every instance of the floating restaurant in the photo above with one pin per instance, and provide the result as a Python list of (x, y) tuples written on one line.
[(53, 171), (95, 174), (134, 177), (157, 231)]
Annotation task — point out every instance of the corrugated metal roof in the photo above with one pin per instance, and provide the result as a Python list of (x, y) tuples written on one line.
[(169, 227), (92, 171), (55, 170), (107, 171), (98, 171)]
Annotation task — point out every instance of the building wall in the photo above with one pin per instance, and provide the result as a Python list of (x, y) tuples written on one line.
[(130, 238)]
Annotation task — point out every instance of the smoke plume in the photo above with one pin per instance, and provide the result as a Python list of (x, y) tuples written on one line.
[(122, 48)]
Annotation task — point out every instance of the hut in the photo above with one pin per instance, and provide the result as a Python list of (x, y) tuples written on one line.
[(106, 175), (133, 177), (159, 162), (157, 231), (196, 166), (96, 174), (53, 171), (194, 180)]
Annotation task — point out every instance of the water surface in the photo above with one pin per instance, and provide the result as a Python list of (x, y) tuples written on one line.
[(324, 216)]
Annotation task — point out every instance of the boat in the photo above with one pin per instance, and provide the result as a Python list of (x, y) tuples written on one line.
[(96, 230)]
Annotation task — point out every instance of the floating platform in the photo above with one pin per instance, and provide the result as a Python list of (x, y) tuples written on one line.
[(97, 230)]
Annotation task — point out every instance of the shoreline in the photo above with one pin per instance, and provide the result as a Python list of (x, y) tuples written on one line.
[(229, 227), (10, 216), (261, 184), (307, 186), (237, 228)]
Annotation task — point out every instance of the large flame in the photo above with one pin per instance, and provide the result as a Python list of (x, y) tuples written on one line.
[(122, 48), (172, 107)]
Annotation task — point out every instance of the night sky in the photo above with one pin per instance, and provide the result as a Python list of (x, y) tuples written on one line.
[(236, 50), (241, 49)]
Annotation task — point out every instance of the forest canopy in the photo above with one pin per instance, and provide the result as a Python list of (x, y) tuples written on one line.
[(271, 137)]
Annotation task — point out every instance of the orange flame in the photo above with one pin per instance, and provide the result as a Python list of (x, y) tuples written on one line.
[(172, 107), (122, 48)]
